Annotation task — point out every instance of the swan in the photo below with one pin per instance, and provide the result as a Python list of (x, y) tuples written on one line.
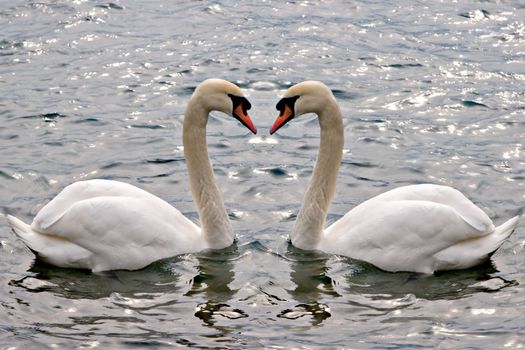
[(417, 228), (110, 225)]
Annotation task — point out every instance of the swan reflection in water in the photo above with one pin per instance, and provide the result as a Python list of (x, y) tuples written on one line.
[(322, 287), (162, 283), (83, 284), (140, 305), (312, 285), (212, 285), (323, 283)]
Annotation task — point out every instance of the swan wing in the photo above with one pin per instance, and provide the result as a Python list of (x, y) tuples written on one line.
[(399, 235), (446, 195), (82, 190)]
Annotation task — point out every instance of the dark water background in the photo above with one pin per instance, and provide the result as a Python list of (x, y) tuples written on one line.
[(431, 91)]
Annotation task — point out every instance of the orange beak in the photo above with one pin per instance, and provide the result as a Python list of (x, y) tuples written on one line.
[(244, 118), (282, 119)]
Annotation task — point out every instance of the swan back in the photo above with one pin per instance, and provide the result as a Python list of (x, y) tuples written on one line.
[(445, 195)]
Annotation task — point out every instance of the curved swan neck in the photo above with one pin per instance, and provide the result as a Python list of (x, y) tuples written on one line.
[(216, 226), (310, 222)]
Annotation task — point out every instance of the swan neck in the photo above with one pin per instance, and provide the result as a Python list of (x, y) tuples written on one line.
[(216, 227), (308, 228)]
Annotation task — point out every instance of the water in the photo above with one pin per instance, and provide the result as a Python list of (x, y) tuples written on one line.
[(431, 92)]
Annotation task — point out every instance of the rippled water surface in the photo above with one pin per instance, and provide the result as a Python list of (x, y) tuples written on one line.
[(430, 91)]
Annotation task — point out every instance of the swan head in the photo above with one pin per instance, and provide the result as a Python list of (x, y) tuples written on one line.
[(223, 96), (302, 98)]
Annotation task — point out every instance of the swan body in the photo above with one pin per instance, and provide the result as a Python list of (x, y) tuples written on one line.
[(420, 228), (107, 225)]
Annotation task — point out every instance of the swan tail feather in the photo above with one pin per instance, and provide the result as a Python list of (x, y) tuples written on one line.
[(51, 249), (471, 252), (35, 241), (21, 229), (505, 230)]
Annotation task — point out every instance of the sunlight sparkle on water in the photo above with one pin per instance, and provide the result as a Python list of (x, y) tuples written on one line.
[(476, 312), (263, 139), (84, 175), (514, 153), (285, 214)]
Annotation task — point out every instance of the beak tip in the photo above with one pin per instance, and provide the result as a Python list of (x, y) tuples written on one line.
[(276, 126)]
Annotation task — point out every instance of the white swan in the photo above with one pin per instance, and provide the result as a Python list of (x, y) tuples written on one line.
[(107, 225), (420, 228)]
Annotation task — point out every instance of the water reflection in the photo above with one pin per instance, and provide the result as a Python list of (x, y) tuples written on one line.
[(167, 290), (208, 274), (450, 285), (83, 284), (216, 272), (321, 279), (309, 274)]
